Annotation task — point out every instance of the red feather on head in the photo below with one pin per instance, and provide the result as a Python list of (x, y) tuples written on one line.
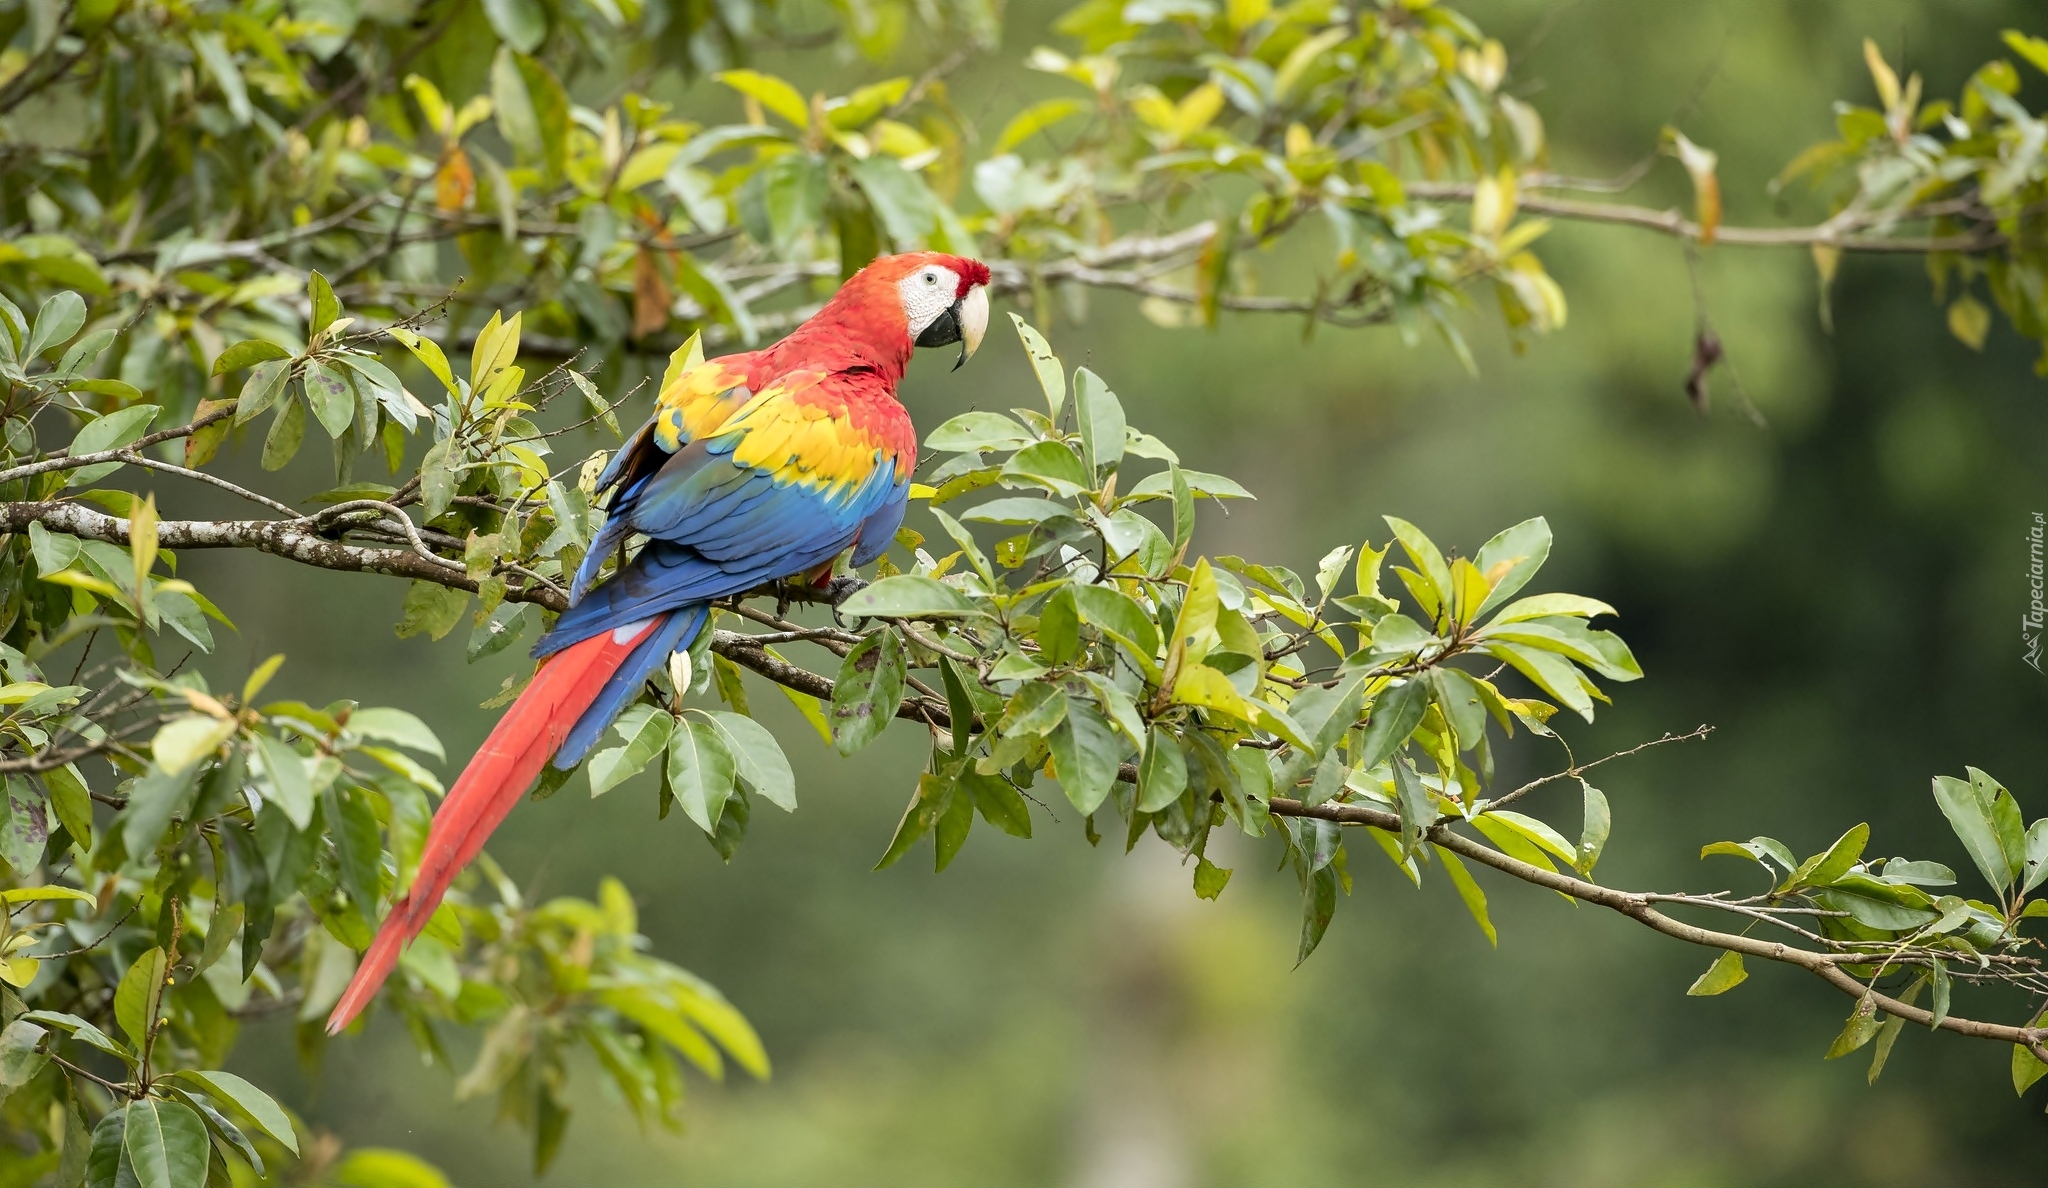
[(863, 326)]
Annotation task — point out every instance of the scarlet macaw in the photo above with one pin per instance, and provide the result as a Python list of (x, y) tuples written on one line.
[(754, 467)]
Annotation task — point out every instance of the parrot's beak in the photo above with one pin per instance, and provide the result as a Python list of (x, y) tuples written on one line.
[(964, 322), (972, 310)]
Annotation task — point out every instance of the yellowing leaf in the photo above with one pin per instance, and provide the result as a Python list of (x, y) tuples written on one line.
[(1196, 109), (184, 741), (771, 92), (1970, 321), (18, 971), (1198, 684), (1882, 74), (1700, 164), (1035, 119), (1725, 974)]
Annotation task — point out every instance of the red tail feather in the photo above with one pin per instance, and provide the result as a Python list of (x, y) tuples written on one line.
[(499, 774)]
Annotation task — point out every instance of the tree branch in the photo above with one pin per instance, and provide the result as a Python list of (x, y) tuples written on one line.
[(1826, 966), (1839, 232)]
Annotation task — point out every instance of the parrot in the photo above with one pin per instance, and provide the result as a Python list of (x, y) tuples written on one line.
[(753, 467)]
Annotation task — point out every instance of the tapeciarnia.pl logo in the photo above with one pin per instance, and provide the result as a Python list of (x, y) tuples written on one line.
[(2037, 614)]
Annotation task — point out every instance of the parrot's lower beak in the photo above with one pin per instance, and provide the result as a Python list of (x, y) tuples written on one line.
[(973, 314)]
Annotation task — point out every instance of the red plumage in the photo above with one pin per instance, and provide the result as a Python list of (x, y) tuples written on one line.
[(499, 774)]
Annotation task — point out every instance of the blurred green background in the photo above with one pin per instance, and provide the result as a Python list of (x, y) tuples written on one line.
[(1838, 593)]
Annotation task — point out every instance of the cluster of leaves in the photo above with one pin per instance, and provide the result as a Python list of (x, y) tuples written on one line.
[(220, 156), (1922, 939), (246, 849), (1975, 167), (1185, 693), (357, 143)]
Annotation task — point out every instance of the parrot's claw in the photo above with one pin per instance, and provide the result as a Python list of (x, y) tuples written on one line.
[(839, 589)]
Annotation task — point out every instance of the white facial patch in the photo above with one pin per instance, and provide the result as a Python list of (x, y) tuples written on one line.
[(927, 293)]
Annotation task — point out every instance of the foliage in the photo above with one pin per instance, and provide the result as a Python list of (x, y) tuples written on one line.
[(239, 215)]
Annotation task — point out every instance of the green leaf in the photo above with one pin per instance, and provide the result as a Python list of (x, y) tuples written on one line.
[(1021, 511), (1549, 672), (1318, 907), (1470, 892), (1052, 465), (1052, 375), (110, 432), (1973, 814), (701, 771), (1509, 560), (949, 832), (246, 353), (84, 1033), (2033, 49), (1086, 753), (1116, 615), (325, 307), (869, 688), (1725, 974), (287, 430), (251, 1101), (1418, 810), (1545, 606), (44, 894), (332, 396), (521, 24), (905, 596), (2026, 1069), (107, 1160), (757, 757), (1100, 418), (772, 93), (261, 389), (1593, 837), (1210, 879), (396, 726), (972, 431), (20, 1059), (165, 1142), (72, 802), (135, 1000), (432, 610), (1537, 832), (1000, 804), (437, 480), (288, 787), (212, 49), (919, 816), (1428, 559), (1162, 774), (1823, 869), (1858, 1031), (1878, 904), (906, 208), (373, 1167), (1215, 486), (1396, 712), (644, 732), (59, 318), (352, 828)]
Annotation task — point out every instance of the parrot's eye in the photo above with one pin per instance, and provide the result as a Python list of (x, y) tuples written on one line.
[(931, 278)]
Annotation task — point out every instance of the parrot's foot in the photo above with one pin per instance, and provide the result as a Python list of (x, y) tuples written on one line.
[(840, 588)]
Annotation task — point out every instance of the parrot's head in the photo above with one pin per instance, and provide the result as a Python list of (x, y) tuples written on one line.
[(919, 299), (945, 300)]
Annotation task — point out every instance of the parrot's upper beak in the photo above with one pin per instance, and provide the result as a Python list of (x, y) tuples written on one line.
[(973, 314), (964, 322)]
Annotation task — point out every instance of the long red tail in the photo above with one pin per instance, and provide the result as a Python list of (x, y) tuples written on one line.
[(499, 774)]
